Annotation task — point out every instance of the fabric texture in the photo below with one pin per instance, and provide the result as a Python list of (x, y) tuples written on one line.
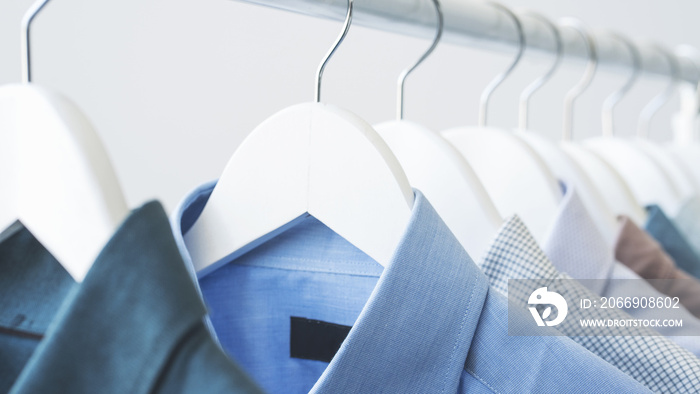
[(134, 325), (576, 247), (687, 221), (26, 313), (640, 252), (629, 284), (659, 364), (428, 322), (664, 231)]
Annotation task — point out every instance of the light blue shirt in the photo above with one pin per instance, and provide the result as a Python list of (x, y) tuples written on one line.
[(427, 323)]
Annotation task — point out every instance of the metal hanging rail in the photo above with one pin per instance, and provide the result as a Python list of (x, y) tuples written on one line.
[(479, 24)]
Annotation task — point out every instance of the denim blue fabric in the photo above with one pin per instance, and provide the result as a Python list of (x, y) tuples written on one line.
[(32, 287), (134, 325), (427, 323), (666, 233), (687, 220)]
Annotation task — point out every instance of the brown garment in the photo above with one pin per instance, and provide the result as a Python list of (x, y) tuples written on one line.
[(640, 252)]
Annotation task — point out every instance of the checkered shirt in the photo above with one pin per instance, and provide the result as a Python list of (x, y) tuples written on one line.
[(654, 361)]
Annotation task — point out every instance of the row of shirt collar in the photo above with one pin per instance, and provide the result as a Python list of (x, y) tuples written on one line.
[(432, 320)]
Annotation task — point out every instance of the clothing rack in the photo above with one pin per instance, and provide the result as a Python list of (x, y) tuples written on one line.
[(479, 24)]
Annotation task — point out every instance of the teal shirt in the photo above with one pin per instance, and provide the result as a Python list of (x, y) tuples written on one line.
[(134, 325), (666, 233)]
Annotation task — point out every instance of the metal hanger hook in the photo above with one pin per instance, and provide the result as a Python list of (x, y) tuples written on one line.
[(526, 95), (338, 41), (585, 81), (405, 73), (615, 97), (692, 54), (25, 38), (663, 97), (491, 87)]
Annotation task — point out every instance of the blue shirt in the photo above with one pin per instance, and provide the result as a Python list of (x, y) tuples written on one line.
[(428, 322), (666, 233), (687, 220)]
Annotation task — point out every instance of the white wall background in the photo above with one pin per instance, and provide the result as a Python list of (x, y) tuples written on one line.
[(174, 86)]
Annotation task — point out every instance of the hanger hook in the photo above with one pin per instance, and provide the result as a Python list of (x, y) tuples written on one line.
[(488, 91), (692, 54), (338, 41), (662, 98), (25, 42), (587, 78), (615, 97), (405, 73), (526, 95)]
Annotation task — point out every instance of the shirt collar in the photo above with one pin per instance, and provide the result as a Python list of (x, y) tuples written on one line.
[(183, 218), (430, 295), (515, 254), (639, 251), (575, 245), (32, 283), (120, 325)]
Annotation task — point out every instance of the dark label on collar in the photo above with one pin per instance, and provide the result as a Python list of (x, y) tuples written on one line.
[(315, 339)]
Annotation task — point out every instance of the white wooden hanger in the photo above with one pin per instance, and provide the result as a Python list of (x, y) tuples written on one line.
[(515, 177), (647, 179), (683, 182), (307, 159), (686, 186), (686, 122), (56, 171), (612, 187), (434, 167), (685, 148), (556, 159), (686, 158)]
